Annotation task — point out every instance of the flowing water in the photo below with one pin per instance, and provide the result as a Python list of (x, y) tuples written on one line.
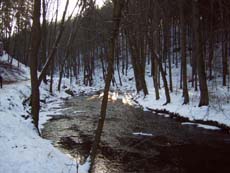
[(135, 141)]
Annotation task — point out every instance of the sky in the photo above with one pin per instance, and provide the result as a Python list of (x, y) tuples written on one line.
[(70, 7)]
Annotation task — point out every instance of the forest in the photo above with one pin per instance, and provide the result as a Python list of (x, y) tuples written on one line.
[(181, 34), (165, 36)]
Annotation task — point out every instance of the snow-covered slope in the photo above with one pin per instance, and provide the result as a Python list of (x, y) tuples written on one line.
[(218, 109), (22, 150), (11, 70), (219, 96)]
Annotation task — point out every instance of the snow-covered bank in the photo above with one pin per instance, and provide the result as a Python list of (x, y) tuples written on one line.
[(217, 111), (22, 149), (11, 70), (219, 97), (191, 111)]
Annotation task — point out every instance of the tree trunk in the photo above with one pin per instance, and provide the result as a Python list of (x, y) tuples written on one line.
[(138, 64), (204, 99), (53, 32), (224, 43), (102, 63), (60, 76), (44, 34), (51, 77), (211, 40), (36, 35), (68, 45), (183, 55), (154, 71), (118, 61), (225, 57), (163, 75), (152, 38), (168, 39), (118, 5), (53, 51), (194, 54)]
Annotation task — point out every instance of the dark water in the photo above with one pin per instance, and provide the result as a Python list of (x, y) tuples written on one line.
[(171, 147)]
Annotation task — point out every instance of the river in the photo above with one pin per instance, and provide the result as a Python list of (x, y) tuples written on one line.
[(136, 141)]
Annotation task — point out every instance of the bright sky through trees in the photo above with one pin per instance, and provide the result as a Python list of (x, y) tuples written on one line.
[(71, 6)]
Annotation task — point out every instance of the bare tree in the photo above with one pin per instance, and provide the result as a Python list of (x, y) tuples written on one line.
[(117, 10), (183, 54), (36, 35), (204, 99)]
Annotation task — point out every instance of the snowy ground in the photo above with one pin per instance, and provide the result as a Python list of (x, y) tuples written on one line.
[(219, 98), (218, 109), (22, 150)]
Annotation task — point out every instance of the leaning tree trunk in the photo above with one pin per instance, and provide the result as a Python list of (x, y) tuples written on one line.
[(36, 35), (163, 75), (118, 5), (158, 61), (53, 51), (72, 35)]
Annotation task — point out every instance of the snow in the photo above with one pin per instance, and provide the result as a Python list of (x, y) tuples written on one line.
[(22, 149), (219, 97), (13, 74), (201, 126), (142, 134), (218, 110)]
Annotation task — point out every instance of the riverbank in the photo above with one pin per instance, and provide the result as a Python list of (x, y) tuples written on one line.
[(22, 149)]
